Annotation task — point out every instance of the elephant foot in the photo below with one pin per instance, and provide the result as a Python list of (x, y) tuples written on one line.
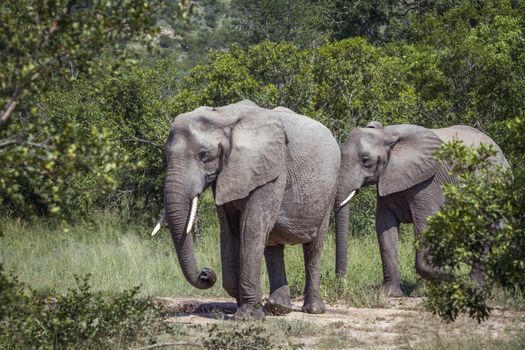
[(392, 291), (314, 305), (247, 312), (279, 302)]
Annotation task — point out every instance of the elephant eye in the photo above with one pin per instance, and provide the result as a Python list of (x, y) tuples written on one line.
[(203, 155), (367, 161)]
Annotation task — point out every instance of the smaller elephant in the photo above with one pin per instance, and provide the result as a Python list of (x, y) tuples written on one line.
[(273, 174), (399, 160)]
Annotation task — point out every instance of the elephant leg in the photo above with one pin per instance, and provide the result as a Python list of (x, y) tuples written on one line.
[(477, 274), (313, 303), (229, 223), (387, 227), (426, 202), (423, 266), (257, 220), (279, 302)]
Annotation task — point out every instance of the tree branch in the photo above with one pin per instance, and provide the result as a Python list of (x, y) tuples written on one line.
[(15, 97), (10, 106), (11, 141), (18, 140), (136, 139)]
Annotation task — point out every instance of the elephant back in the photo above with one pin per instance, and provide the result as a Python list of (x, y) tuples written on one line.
[(471, 137)]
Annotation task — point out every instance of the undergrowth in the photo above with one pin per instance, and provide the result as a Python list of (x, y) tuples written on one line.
[(244, 336), (79, 318)]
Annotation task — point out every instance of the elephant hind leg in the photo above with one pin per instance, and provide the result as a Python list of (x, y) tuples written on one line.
[(313, 303), (477, 274), (279, 302), (424, 268)]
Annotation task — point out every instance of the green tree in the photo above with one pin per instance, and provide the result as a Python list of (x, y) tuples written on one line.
[(481, 222), (136, 112), (303, 22), (42, 44), (479, 48)]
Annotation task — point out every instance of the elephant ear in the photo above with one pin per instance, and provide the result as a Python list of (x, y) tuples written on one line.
[(283, 109), (257, 156), (244, 103), (374, 125), (411, 158)]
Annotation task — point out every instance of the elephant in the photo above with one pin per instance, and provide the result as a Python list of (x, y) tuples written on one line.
[(273, 174), (399, 160)]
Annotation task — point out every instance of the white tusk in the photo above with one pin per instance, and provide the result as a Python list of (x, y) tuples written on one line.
[(347, 199), (156, 229), (159, 223), (193, 212)]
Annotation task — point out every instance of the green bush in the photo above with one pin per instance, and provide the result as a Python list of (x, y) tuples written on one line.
[(251, 337), (80, 318), (42, 44), (482, 222)]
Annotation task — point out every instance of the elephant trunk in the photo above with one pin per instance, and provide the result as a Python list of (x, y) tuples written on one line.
[(342, 215), (177, 201), (346, 189)]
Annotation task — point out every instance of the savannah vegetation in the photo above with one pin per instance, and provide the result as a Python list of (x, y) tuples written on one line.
[(88, 90)]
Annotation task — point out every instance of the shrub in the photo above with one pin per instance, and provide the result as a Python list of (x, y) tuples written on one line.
[(81, 318), (251, 337), (482, 222)]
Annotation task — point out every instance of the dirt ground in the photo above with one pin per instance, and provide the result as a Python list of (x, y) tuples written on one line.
[(404, 324)]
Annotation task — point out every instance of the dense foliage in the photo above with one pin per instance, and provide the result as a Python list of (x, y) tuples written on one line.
[(482, 223), (44, 44), (81, 318)]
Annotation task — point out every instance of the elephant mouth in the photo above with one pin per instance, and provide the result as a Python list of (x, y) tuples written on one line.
[(371, 180), (210, 178)]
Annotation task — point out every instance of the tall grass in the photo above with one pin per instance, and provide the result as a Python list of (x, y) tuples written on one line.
[(122, 256)]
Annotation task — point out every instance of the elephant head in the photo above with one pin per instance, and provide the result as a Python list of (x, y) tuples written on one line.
[(234, 149), (395, 158)]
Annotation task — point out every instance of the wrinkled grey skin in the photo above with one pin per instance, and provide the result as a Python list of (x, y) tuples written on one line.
[(399, 159), (273, 175)]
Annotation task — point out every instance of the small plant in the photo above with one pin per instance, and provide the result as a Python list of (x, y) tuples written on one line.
[(238, 338), (333, 288), (81, 318)]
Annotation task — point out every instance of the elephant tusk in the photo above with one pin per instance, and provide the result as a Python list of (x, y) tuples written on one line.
[(347, 199), (193, 212), (159, 223)]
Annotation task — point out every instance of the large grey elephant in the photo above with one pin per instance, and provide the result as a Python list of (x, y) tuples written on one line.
[(273, 174), (400, 160)]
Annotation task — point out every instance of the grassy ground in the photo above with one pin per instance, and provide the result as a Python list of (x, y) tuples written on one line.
[(285, 334), (121, 257)]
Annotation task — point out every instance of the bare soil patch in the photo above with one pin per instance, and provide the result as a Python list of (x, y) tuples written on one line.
[(403, 324)]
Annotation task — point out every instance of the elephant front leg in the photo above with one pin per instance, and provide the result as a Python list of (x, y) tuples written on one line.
[(279, 302), (387, 227), (257, 220), (229, 223)]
